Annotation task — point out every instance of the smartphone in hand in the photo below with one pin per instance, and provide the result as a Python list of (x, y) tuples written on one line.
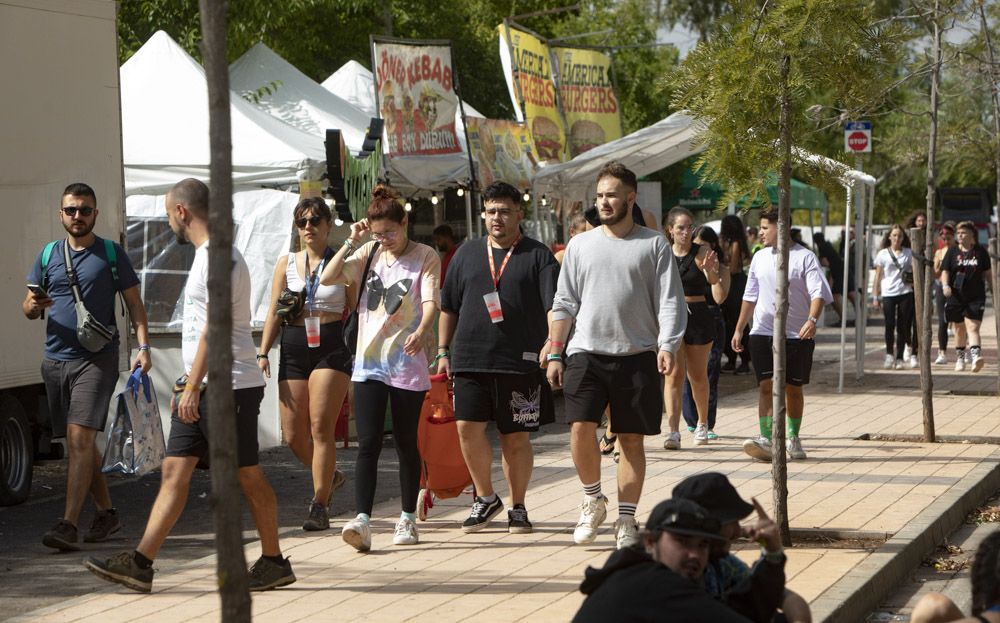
[(38, 290)]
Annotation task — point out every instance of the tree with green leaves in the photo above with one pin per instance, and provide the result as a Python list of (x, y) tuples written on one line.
[(752, 84)]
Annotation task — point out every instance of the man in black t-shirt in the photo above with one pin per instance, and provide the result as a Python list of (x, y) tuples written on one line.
[(495, 302), (965, 270)]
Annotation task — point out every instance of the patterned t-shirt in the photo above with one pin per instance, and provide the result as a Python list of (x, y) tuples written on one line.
[(391, 309)]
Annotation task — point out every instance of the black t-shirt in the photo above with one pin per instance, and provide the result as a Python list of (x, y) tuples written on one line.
[(632, 587), (971, 264), (526, 290)]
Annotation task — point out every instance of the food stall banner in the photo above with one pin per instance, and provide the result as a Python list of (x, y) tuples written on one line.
[(502, 151), (416, 97), (528, 68), (588, 99)]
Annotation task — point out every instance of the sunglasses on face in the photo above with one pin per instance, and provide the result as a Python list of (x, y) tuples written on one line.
[(84, 211), (387, 236), (503, 213), (310, 220)]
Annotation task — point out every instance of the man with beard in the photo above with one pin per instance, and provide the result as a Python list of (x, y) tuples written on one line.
[(79, 381), (661, 583), (620, 286), (187, 212)]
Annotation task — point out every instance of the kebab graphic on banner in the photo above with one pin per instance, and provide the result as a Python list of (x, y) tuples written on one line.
[(528, 68), (416, 97), (502, 151), (588, 98)]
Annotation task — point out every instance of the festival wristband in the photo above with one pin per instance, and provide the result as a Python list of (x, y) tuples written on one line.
[(557, 344), (143, 346), (441, 356), (261, 356), (553, 357), (191, 386)]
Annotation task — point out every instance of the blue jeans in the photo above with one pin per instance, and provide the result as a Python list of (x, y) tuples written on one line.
[(690, 411)]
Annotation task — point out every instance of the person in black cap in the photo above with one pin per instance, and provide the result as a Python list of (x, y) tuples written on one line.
[(636, 585), (758, 592)]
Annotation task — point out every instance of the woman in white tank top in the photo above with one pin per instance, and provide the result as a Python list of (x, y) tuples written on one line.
[(312, 378)]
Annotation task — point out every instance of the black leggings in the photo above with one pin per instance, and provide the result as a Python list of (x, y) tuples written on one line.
[(942, 321), (370, 401), (731, 313), (898, 312)]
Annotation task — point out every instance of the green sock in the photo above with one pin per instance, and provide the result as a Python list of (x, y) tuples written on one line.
[(765, 426), (793, 426)]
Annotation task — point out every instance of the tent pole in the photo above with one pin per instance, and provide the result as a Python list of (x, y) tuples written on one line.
[(843, 308), (468, 214), (860, 276)]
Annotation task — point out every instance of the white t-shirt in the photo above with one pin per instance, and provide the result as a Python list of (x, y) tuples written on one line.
[(805, 283), (892, 277), (245, 370)]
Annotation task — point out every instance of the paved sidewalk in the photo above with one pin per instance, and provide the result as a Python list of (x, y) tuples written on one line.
[(895, 488)]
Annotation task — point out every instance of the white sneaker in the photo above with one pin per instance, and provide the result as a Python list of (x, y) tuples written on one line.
[(960, 363), (673, 441), (406, 533), (794, 447), (593, 512), (358, 534), (700, 437), (626, 532), (759, 448), (913, 362), (899, 364), (941, 359), (977, 363), (887, 364), (968, 356), (907, 352)]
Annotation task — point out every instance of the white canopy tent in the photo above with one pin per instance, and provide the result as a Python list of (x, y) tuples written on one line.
[(675, 138), (353, 83), (165, 127), (296, 99)]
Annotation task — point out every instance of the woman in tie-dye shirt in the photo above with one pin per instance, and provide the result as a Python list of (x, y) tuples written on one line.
[(398, 306)]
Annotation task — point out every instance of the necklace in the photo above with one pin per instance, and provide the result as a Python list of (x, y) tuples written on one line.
[(389, 264)]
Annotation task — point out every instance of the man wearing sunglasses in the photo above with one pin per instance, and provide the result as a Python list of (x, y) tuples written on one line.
[(78, 382), (494, 319)]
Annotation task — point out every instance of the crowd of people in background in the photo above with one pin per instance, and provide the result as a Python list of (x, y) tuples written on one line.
[(627, 321)]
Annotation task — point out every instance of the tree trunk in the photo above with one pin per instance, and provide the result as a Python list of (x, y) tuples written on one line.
[(926, 379), (387, 17), (779, 466), (995, 97), (226, 496)]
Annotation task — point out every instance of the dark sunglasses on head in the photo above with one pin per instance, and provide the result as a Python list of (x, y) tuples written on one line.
[(84, 211), (311, 220)]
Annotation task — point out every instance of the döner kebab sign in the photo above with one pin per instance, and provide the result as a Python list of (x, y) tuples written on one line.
[(416, 97)]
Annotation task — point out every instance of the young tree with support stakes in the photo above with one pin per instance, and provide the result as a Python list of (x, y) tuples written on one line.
[(226, 508), (752, 83)]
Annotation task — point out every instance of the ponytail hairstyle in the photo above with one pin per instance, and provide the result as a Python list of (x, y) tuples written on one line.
[(985, 574), (385, 205)]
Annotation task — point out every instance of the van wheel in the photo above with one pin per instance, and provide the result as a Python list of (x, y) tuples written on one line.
[(16, 456)]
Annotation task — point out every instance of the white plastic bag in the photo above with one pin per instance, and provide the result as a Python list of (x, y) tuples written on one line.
[(135, 439)]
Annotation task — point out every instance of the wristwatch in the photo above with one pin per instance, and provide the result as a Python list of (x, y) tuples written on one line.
[(814, 320)]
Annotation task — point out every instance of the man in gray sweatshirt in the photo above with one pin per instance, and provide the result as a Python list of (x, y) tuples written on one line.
[(620, 293)]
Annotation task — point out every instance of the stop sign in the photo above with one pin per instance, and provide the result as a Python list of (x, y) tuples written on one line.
[(857, 141)]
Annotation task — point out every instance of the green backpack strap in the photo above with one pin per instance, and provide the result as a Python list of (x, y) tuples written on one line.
[(109, 250), (46, 256)]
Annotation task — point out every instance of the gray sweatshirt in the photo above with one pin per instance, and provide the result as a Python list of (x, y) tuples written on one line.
[(625, 295)]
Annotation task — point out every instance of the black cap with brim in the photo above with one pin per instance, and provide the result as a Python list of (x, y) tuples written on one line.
[(715, 494), (680, 516)]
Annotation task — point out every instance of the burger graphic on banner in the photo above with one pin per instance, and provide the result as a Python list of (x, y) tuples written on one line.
[(548, 138), (584, 136)]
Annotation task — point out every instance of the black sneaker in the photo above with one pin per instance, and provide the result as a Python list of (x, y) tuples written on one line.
[(265, 574), (729, 366), (122, 569), (62, 536), (482, 513), (743, 369), (105, 524), (318, 518), (517, 520)]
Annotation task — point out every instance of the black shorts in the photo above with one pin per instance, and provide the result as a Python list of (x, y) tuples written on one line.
[(79, 391), (192, 439), (630, 384), (518, 403), (957, 310), (298, 360), (798, 359), (701, 324)]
